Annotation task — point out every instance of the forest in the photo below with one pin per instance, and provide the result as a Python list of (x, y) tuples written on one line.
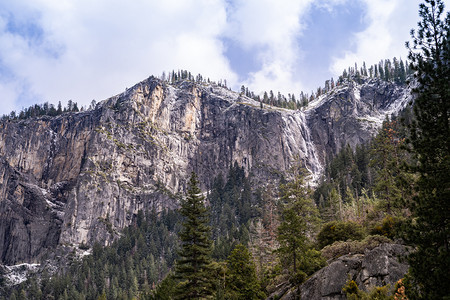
[(238, 242)]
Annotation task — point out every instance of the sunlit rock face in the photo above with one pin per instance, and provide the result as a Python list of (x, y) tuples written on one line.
[(82, 177)]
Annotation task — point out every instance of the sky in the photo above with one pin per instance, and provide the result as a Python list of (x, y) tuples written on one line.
[(84, 50)]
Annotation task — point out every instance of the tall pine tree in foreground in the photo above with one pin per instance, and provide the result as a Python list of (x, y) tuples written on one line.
[(194, 268), (299, 219), (429, 230)]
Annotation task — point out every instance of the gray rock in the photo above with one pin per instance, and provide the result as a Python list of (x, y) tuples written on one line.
[(377, 267), (82, 177)]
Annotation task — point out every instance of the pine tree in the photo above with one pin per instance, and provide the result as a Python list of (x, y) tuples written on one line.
[(430, 142), (59, 110), (402, 74), (381, 70), (241, 282), (385, 161), (387, 70), (194, 265), (299, 218)]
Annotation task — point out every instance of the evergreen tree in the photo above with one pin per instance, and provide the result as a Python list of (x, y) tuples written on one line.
[(299, 219), (429, 231), (194, 265), (381, 70), (166, 289), (266, 98), (59, 110), (387, 70), (386, 160), (241, 282), (402, 72)]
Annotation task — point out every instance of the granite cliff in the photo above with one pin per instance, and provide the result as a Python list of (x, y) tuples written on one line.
[(81, 177)]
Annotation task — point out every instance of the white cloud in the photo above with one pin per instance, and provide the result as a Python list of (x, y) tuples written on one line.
[(8, 91), (390, 22), (104, 46), (88, 50), (270, 28)]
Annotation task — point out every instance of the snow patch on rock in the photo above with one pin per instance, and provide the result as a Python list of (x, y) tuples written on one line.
[(17, 274)]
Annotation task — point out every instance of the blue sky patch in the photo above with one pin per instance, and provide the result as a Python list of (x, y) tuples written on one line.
[(242, 61), (30, 31), (328, 34), (27, 29)]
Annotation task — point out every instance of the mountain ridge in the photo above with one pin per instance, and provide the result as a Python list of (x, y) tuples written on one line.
[(81, 177)]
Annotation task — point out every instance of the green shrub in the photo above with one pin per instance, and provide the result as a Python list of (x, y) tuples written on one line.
[(373, 241), (83, 246), (353, 292), (390, 227), (339, 231), (379, 293), (340, 248), (298, 278), (312, 262)]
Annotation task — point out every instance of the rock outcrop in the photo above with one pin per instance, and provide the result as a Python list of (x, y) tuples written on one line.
[(377, 267), (82, 177)]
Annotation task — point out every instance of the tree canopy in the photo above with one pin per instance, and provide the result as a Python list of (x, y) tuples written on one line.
[(429, 229)]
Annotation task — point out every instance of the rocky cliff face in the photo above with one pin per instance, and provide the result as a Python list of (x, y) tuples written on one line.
[(377, 267), (352, 113), (81, 177)]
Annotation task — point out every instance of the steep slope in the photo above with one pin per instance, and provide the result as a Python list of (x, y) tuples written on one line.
[(352, 113), (81, 177)]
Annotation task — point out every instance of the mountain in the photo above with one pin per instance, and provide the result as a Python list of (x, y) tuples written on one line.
[(81, 177)]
